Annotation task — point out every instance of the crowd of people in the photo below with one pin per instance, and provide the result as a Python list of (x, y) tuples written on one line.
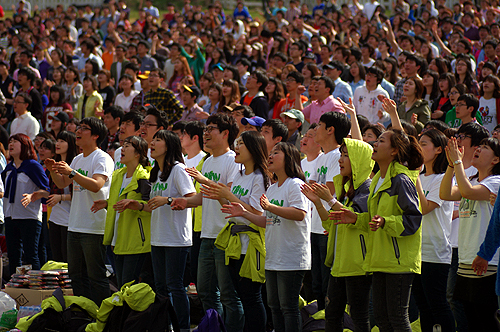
[(347, 154)]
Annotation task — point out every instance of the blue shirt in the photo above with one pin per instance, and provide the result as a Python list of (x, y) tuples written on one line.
[(342, 90)]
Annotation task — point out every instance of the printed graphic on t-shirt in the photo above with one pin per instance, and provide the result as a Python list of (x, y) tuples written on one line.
[(271, 218), (322, 170), (467, 208), (158, 188), (239, 191), (212, 176), (487, 119)]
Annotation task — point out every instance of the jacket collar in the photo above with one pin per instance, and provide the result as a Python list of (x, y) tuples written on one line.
[(140, 173)]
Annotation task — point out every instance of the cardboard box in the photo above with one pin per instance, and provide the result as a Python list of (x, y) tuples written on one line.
[(29, 297)]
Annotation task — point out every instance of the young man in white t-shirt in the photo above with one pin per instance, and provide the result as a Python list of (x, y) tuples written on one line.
[(90, 172), (154, 121), (332, 128), (130, 126), (213, 274), (312, 150)]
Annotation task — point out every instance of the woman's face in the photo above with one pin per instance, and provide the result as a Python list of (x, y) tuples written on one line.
[(369, 136), (488, 86), (87, 85), (213, 94), (55, 56), (69, 75), (44, 153), (485, 72), (14, 148), (55, 125), (388, 67), (54, 96), (432, 65), (345, 163), (284, 74), (429, 151), (89, 68), (382, 149), (461, 67), (354, 70), (270, 87), (158, 148), (203, 83), (424, 50), (56, 75), (61, 145), (242, 153), (444, 85), (177, 65), (220, 44), (409, 88), (128, 154), (428, 80), (276, 160), (228, 75), (454, 94), (71, 127), (226, 91), (484, 157), (306, 72)]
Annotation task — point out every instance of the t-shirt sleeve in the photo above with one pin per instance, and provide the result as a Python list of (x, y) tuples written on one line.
[(183, 181), (232, 170), (433, 194), (492, 183), (295, 197), (333, 167), (257, 190), (103, 165)]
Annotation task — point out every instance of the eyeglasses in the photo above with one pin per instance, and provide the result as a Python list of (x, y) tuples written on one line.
[(81, 128), (147, 124), (209, 129), (290, 80), (462, 136), (452, 93), (461, 104)]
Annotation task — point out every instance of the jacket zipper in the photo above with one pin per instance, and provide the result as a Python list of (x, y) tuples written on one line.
[(141, 229), (258, 259), (396, 249), (363, 245)]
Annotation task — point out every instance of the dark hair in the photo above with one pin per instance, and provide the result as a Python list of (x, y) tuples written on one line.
[(392, 77), (93, 80), (339, 121), (236, 73), (437, 124), (30, 74), (362, 70), (173, 155), (161, 117), (470, 101), (419, 87), (345, 179), (95, 66), (434, 93), (328, 83), (298, 77), (97, 127), (26, 97), (451, 82), (132, 66), (496, 81), (279, 92), (409, 150), (376, 128), (75, 72), (261, 78), (377, 72), (315, 71), (256, 145), (469, 75), (225, 122), (443, 65), (115, 111), (475, 131), (135, 117), (50, 144), (141, 147), (438, 139), (179, 125), (494, 144), (278, 127), (60, 90), (246, 110), (194, 128), (73, 150), (27, 147), (293, 167)]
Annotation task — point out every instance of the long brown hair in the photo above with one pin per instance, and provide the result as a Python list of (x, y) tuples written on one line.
[(256, 145), (409, 150), (184, 72)]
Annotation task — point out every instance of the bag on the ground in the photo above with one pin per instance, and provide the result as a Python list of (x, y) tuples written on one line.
[(211, 322)]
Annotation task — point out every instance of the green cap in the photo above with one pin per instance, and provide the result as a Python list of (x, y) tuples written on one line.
[(294, 114)]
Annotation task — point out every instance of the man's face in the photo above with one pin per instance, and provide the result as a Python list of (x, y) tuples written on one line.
[(20, 106), (295, 51), (127, 129), (110, 122), (154, 79), (24, 59), (22, 79), (410, 67), (141, 49), (267, 132), (149, 127), (291, 123)]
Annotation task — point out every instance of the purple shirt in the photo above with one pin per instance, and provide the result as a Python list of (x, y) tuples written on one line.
[(314, 110)]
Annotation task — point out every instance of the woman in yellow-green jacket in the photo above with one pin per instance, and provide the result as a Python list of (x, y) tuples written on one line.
[(348, 282), (90, 103), (392, 224), (128, 226)]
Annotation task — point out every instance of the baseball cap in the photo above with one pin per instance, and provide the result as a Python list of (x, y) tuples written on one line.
[(192, 89), (146, 107), (309, 55), (60, 116), (294, 114), (255, 121), (144, 76)]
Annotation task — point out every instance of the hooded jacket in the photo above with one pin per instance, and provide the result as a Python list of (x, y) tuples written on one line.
[(134, 227), (259, 104), (348, 244), (89, 105), (396, 247)]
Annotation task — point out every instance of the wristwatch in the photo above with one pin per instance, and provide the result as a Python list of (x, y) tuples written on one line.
[(72, 174), (169, 200)]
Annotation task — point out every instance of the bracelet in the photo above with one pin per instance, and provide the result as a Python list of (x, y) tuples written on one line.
[(451, 166), (332, 202), (62, 198), (142, 207)]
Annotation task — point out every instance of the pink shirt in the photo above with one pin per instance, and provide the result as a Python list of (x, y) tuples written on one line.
[(314, 110)]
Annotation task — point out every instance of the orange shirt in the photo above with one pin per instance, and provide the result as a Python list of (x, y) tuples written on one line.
[(107, 58), (247, 100), (290, 103)]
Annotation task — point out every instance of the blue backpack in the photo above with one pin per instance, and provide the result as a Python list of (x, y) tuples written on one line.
[(211, 322)]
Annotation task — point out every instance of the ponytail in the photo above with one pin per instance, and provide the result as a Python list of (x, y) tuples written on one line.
[(409, 150)]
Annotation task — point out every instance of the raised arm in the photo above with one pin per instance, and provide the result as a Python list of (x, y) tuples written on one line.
[(351, 110)]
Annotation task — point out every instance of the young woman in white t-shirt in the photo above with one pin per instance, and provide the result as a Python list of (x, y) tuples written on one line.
[(477, 293), (124, 99), (288, 251), (247, 188), (490, 93), (429, 287)]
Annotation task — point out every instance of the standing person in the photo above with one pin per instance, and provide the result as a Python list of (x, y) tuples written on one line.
[(90, 103), (124, 99), (26, 79), (414, 104), (475, 213), (112, 119), (288, 251), (60, 199), (56, 105), (24, 123), (72, 87), (489, 103), (393, 226), (324, 101), (118, 67), (348, 282), (429, 287), (23, 221), (106, 91), (163, 99), (128, 225), (90, 173), (255, 97), (213, 275), (366, 99), (248, 186)]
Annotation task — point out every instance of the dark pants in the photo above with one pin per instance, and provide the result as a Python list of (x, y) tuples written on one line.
[(319, 271), (22, 235), (128, 267), (87, 270), (250, 296), (169, 264), (58, 242), (457, 307), (193, 255), (429, 290), (283, 288), (352, 290), (391, 297), (44, 252)]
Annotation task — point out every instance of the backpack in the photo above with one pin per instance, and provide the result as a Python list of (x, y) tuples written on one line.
[(211, 322), (156, 318), (71, 319)]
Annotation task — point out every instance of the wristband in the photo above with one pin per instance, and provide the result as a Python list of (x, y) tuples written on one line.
[(142, 207), (332, 202), (450, 166)]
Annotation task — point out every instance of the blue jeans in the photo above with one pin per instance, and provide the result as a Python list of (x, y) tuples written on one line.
[(391, 298), (353, 290), (457, 306), (128, 267), (251, 298), (319, 271), (215, 286), (22, 235), (87, 270), (283, 288), (429, 290), (169, 264)]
